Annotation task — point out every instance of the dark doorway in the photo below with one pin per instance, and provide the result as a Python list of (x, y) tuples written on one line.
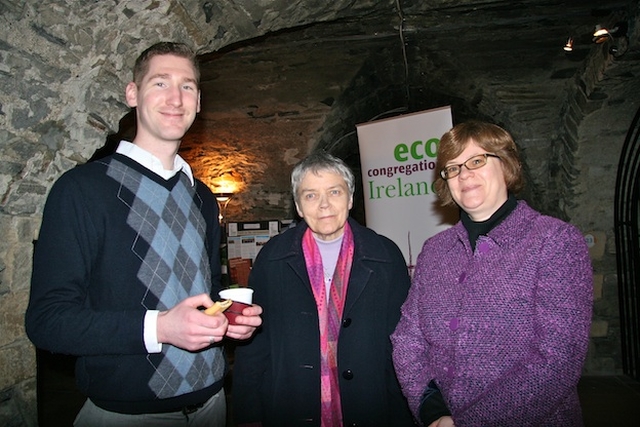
[(627, 231)]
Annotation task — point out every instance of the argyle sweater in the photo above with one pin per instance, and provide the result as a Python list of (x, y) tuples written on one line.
[(117, 240)]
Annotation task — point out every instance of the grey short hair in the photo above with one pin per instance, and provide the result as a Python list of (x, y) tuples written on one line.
[(317, 162)]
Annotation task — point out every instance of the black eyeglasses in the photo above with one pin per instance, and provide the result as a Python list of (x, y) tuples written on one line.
[(475, 162)]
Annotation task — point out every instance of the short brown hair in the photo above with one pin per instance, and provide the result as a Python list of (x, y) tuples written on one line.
[(141, 67), (493, 139)]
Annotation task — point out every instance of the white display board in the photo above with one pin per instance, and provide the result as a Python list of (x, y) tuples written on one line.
[(398, 157)]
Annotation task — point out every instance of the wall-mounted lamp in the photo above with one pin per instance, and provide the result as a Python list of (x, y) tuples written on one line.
[(568, 46), (223, 200), (617, 35), (600, 34)]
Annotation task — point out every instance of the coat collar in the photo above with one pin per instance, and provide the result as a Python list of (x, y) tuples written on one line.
[(509, 232), (365, 250), (368, 252)]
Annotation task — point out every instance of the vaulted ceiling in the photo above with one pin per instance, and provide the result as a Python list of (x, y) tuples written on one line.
[(451, 45), (501, 59)]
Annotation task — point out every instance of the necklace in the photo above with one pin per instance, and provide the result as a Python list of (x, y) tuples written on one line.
[(327, 275)]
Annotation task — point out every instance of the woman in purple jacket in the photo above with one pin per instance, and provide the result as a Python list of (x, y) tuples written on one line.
[(495, 328)]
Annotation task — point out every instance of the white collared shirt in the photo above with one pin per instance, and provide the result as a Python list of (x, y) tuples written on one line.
[(154, 164)]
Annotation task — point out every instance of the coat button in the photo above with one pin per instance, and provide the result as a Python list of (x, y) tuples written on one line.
[(347, 375), (450, 371), (484, 247), (462, 277), (454, 323), (346, 322)]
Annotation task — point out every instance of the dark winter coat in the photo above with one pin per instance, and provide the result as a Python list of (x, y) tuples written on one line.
[(276, 377)]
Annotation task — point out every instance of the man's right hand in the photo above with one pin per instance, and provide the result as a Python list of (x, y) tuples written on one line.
[(186, 327)]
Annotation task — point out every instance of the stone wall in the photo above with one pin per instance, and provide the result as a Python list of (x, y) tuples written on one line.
[(603, 109), (64, 66), (63, 69), (570, 129)]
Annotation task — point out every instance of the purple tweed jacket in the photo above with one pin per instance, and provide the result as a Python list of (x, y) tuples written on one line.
[(503, 330)]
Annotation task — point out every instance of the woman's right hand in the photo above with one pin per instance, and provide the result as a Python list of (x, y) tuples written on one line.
[(445, 421)]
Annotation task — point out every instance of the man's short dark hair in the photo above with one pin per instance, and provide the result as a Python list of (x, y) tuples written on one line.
[(181, 50)]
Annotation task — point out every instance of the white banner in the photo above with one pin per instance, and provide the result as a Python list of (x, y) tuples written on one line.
[(398, 157)]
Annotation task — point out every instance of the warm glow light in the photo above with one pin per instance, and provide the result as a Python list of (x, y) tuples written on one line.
[(568, 47), (600, 31), (228, 183), (601, 34)]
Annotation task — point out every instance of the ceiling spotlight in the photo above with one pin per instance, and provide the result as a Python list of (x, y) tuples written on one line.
[(600, 35), (617, 35), (568, 46), (599, 32)]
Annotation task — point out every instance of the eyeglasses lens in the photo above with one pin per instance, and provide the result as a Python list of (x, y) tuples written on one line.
[(474, 162)]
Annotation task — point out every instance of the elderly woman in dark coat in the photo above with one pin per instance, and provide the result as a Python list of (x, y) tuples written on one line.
[(331, 291)]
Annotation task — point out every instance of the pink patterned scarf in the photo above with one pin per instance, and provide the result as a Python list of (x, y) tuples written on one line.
[(330, 317)]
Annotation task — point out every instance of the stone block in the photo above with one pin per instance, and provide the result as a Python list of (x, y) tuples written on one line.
[(17, 363), (20, 258), (598, 281), (18, 405), (599, 328), (13, 305), (596, 240)]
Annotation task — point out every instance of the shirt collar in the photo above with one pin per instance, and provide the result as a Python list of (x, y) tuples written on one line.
[(154, 164)]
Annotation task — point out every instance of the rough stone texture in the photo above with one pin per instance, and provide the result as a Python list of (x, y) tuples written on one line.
[(281, 78), (267, 105), (62, 72), (609, 111), (259, 118)]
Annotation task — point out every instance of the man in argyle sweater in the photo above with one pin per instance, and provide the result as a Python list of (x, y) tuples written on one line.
[(127, 257)]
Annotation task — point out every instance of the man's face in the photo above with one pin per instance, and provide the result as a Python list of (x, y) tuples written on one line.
[(167, 100)]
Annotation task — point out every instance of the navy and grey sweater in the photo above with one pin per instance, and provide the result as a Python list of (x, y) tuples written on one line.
[(117, 240)]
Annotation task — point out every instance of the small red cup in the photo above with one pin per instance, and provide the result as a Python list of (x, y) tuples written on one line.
[(241, 297), (234, 311)]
